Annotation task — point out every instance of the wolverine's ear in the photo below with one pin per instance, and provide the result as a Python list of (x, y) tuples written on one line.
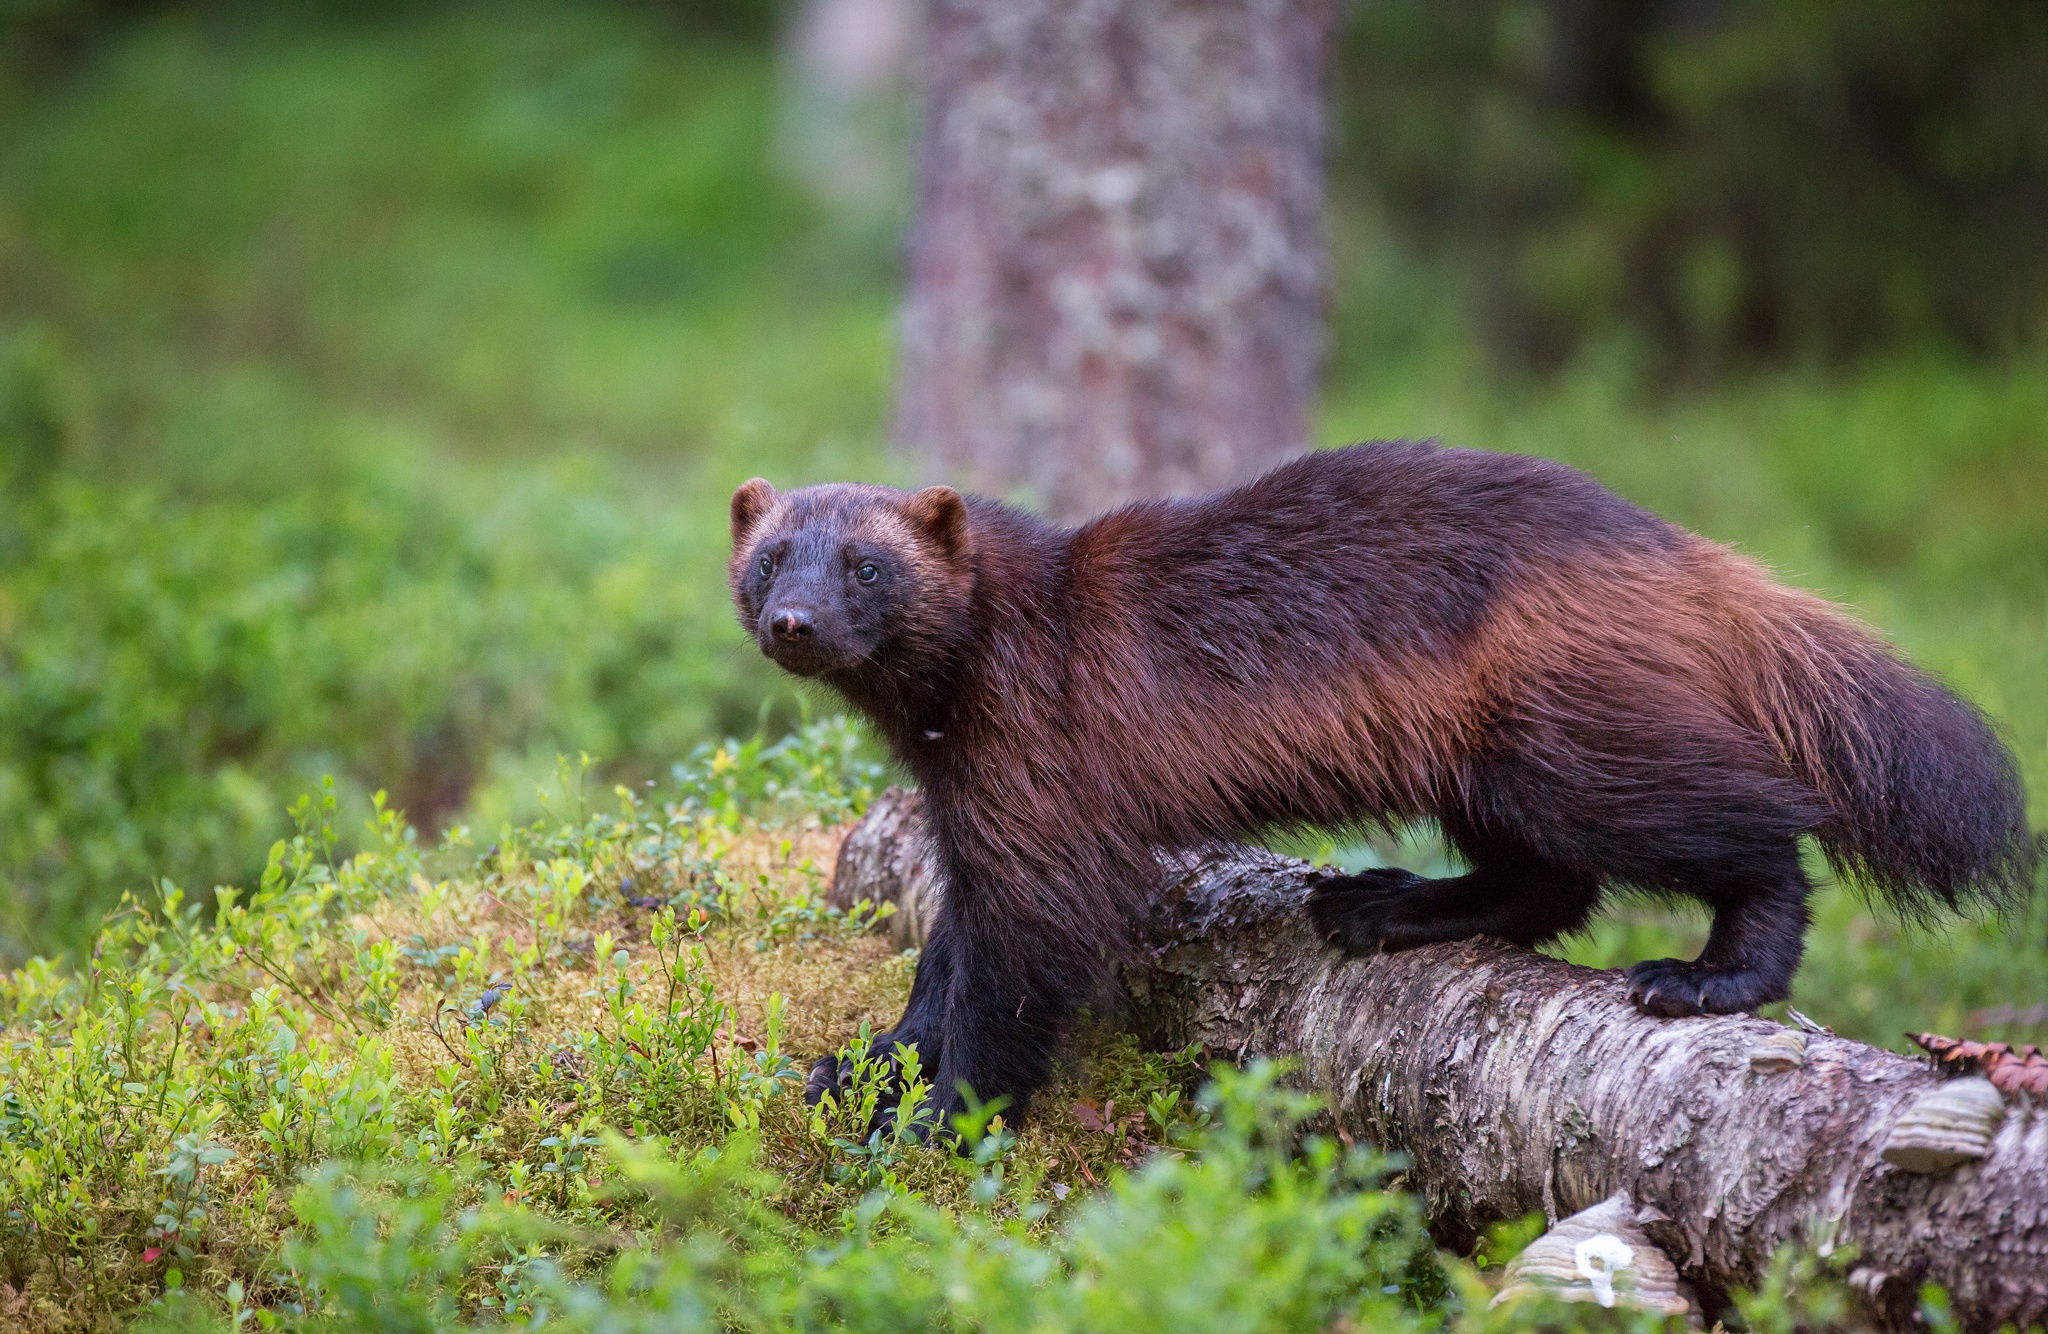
[(940, 516), (749, 503)]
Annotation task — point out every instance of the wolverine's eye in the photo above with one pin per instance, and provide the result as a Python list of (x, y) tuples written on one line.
[(767, 565), (867, 573)]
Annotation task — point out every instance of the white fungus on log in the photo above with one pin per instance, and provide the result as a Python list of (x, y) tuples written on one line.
[(1946, 1126), (1778, 1052), (1599, 1255)]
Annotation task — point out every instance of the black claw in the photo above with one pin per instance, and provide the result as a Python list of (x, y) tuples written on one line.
[(833, 1073), (1677, 989), (825, 1075)]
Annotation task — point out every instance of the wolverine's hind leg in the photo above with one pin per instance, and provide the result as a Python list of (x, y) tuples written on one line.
[(1759, 932), (1509, 893)]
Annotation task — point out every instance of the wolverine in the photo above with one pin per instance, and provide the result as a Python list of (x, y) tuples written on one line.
[(1584, 697)]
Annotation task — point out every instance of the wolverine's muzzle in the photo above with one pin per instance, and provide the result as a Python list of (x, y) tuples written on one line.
[(789, 634)]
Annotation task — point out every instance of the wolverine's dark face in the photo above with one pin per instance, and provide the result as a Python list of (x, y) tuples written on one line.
[(827, 576)]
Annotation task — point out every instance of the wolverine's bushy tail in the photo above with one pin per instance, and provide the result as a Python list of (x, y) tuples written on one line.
[(1925, 798)]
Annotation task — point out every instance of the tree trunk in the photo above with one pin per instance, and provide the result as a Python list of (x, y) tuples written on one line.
[(1515, 1083), (1115, 270)]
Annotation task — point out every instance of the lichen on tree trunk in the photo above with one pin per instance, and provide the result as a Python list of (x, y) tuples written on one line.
[(1116, 262), (1514, 1082)]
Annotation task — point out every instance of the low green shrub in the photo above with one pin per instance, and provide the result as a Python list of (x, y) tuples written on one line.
[(172, 673), (557, 1084), (1239, 1233), (371, 385), (363, 1098)]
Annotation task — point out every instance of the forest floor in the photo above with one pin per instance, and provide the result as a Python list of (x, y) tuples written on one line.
[(558, 1081)]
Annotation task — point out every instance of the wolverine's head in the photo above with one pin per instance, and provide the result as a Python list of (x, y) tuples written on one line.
[(827, 577)]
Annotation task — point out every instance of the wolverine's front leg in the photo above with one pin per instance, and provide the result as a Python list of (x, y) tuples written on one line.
[(1012, 994), (922, 1025), (985, 1014)]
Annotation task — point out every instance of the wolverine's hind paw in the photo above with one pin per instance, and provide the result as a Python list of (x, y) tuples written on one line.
[(1358, 913), (1675, 988)]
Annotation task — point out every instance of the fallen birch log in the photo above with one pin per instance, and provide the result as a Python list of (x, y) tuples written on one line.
[(1514, 1082)]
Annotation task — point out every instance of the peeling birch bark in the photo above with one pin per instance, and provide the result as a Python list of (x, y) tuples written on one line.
[(1514, 1082)]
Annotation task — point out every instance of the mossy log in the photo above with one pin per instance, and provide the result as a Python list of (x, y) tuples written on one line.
[(1514, 1083)]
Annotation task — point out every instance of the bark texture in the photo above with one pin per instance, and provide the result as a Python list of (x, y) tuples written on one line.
[(1115, 269), (1515, 1082)]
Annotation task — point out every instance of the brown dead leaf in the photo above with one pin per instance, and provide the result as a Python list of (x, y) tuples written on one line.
[(2010, 1069)]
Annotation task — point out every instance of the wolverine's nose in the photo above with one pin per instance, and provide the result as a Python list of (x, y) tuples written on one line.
[(792, 623)]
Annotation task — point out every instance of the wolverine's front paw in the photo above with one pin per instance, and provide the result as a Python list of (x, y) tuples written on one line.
[(1360, 914), (829, 1074), (1675, 988), (835, 1072), (882, 1074)]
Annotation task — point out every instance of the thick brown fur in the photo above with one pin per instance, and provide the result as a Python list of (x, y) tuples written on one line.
[(1583, 696)]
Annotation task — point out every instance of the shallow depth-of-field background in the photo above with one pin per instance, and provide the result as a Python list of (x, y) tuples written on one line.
[(372, 383)]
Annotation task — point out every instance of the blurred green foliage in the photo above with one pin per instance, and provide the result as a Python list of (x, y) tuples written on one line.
[(1716, 182), (174, 671), (369, 399), (40, 35), (825, 770)]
